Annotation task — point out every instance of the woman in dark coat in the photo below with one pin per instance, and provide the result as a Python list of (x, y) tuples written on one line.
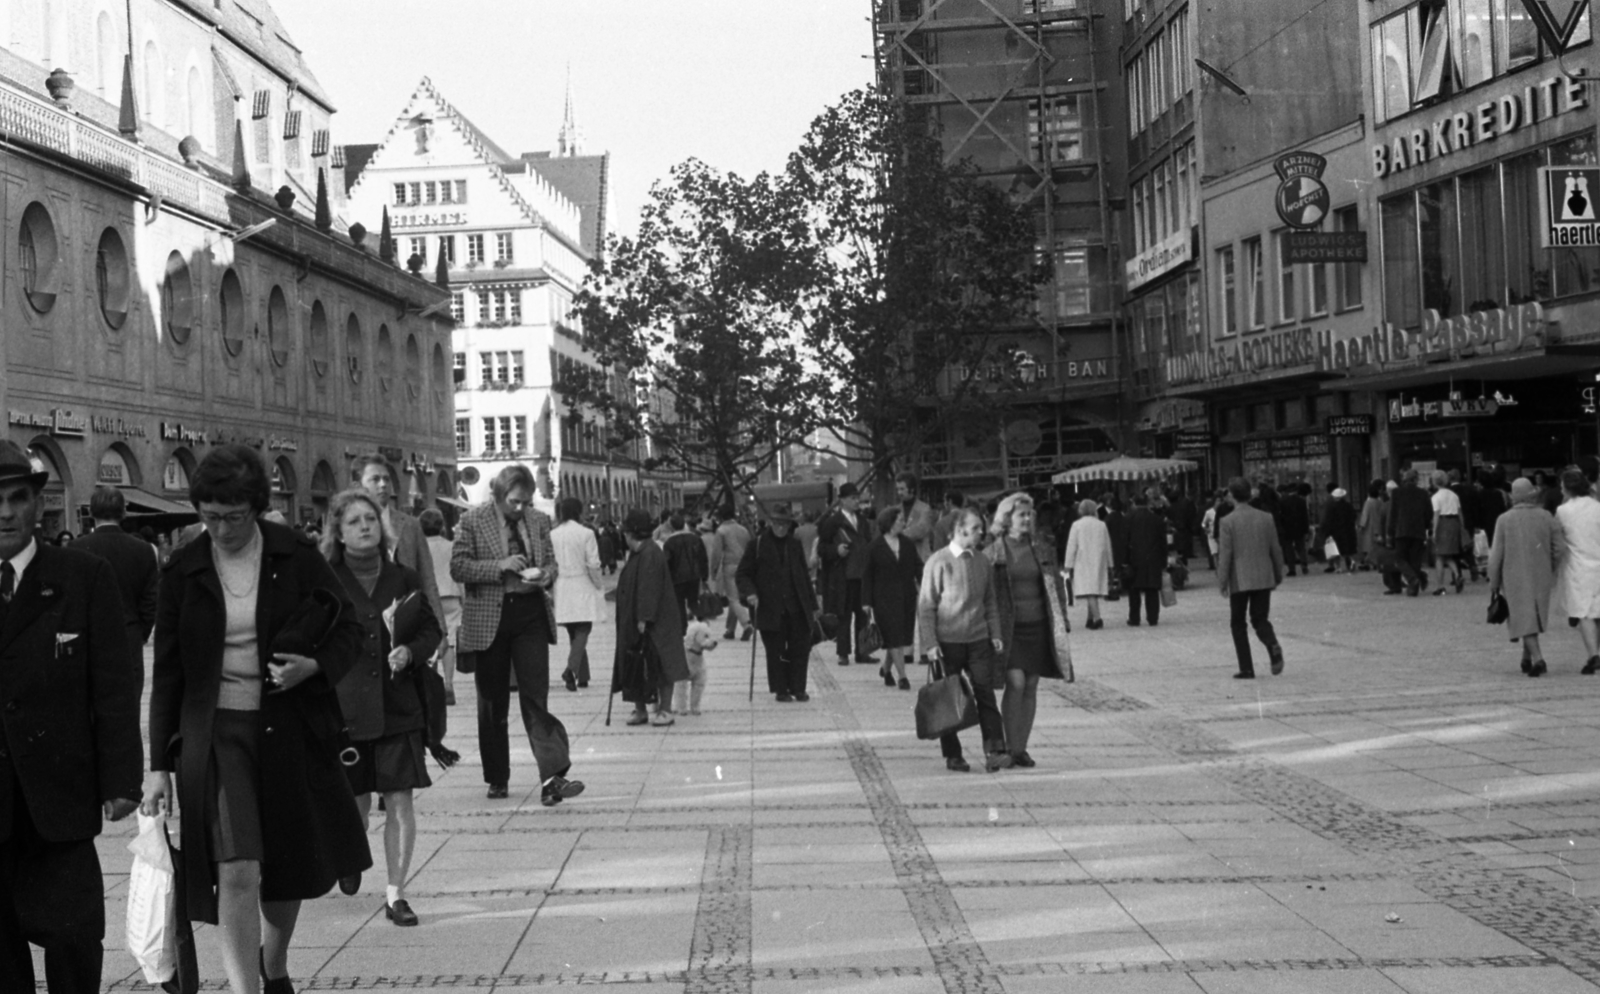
[(253, 632), (380, 698), (647, 606), (1339, 520), (1033, 618), (889, 592)]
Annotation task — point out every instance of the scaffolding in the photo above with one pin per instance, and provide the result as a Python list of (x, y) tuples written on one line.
[(1019, 89)]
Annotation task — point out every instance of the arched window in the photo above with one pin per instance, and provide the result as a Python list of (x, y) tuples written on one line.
[(278, 333), (440, 375), (231, 299), (108, 52), (199, 111), (177, 300), (353, 348), (111, 278), (321, 348), (155, 85), (385, 358), (413, 370)]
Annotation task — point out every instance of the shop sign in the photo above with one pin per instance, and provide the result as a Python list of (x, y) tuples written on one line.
[(1447, 134), (55, 500), (59, 422), (1455, 406), (173, 431), (1499, 330), (276, 444), (1482, 407), (1302, 198), (1284, 448), (1160, 258), (1586, 397), (1257, 450), (1349, 424), (173, 477), (1256, 354), (113, 472), (1566, 206), (106, 425), (1324, 246), (428, 219), (1314, 445), (1193, 441)]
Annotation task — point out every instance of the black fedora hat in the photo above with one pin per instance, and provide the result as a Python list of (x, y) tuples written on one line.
[(15, 466)]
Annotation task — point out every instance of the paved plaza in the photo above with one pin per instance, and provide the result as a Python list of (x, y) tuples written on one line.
[(1400, 811)]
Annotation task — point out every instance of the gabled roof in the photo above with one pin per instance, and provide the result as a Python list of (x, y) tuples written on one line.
[(584, 180), (355, 160), (254, 26)]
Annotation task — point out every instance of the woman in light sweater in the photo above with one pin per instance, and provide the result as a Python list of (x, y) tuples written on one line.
[(959, 615)]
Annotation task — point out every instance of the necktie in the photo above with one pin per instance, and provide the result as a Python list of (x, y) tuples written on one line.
[(514, 543), (8, 581)]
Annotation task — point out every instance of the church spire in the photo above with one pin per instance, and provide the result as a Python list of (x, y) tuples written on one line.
[(568, 141)]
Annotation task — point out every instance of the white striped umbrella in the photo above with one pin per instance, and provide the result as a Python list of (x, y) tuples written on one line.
[(1126, 469)]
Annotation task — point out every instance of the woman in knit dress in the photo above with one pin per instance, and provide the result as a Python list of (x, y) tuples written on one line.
[(889, 592), (1088, 560), (379, 696)]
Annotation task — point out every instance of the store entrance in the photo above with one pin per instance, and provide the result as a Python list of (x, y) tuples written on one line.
[(1428, 449)]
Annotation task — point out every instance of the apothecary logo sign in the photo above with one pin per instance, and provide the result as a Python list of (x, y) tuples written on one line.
[(1567, 206)]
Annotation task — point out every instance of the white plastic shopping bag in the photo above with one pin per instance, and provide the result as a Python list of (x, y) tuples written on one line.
[(152, 902)]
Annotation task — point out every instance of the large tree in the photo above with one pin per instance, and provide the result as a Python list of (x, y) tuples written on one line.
[(692, 324), (918, 269)]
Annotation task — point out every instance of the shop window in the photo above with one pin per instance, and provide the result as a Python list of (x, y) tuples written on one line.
[(1527, 265), (1264, 417), (1439, 249), (177, 299), (1483, 263), (1230, 292), (37, 255), (317, 334), (1255, 284), (1349, 273), (230, 300), (112, 279), (1401, 271), (278, 334)]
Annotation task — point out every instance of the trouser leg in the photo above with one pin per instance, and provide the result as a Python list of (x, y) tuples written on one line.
[(774, 643), (1238, 604), (1135, 603), (1260, 607), (687, 594), (493, 682), (547, 737), (1152, 605), (52, 895), (798, 653)]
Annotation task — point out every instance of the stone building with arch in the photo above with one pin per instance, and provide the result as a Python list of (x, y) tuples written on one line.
[(164, 283)]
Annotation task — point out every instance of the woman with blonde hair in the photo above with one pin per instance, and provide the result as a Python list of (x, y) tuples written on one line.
[(1033, 618), (1447, 531), (1088, 561)]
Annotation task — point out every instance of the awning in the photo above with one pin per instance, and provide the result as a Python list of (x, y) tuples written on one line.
[(1126, 470), (144, 502)]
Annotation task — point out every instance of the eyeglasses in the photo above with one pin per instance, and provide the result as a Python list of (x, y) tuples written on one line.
[(231, 518)]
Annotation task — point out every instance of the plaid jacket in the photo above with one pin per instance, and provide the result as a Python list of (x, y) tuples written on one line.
[(475, 564)]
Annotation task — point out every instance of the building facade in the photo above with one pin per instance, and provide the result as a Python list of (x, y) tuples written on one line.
[(164, 286), (1026, 91), (515, 235)]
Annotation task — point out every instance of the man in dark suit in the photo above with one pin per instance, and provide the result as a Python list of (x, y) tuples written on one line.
[(1144, 560), (70, 749), (1294, 521), (133, 561), (1249, 567), (1410, 516), (843, 536)]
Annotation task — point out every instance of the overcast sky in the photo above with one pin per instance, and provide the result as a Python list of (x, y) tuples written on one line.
[(732, 82)]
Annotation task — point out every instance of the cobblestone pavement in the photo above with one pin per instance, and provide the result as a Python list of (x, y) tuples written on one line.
[(1401, 811)]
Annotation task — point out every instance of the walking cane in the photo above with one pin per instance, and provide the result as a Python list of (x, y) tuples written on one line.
[(752, 664)]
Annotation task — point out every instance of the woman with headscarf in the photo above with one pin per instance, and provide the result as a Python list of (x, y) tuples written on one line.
[(1088, 561), (1033, 618), (1526, 551), (1579, 518), (1339, 522), (1446, 531), (889, 592), (1369, 524), (648, 610), (379, 696)]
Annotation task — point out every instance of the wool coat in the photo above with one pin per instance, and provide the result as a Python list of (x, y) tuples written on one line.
[(1579, 519), (770, 564), (1339, 524), (1524, 557), (1144, 550), (1249, 555), (312, 832), (838, 570), (889, 589), (1371, 524), (376, 701), (1089, 557), (1058, 664), (1410, 513), (644, 593), (579, 594), (137, 568), (69, 731), (475, 564)]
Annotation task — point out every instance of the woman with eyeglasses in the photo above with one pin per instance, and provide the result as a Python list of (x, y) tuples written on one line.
[(253, 631)]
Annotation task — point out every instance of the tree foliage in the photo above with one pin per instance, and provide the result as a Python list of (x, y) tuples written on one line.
[(691, 324), (920, 268)]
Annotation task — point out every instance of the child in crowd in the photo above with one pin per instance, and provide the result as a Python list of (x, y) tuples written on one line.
[(697, 638)]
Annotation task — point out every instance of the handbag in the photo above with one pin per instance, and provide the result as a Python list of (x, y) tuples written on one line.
[(1499, 610), (945, 704), (870, 640), (708, 605), (1330, 550), (1169, 596)]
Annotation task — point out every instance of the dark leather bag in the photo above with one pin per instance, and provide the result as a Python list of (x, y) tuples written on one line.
[(1499, 610), (945, 704), (870, 640)]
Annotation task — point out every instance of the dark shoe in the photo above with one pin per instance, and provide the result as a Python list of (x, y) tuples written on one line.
[(1023, 760), (1245, 676), (1438, 592), (1591, 666), (583, 684), (449, 697), (844, 661), (748, 635), (271, 985), (1331, 569), (1133, 623), (785, 699), (1392, 593), (400, 913), (905, 684), (1276, 655), (351, 885), (568, 678), (955, 764), (1527, 664), (639, 718), (497, 792), (801, 696), (996, 761), (1538, 669), (559, 789), (866, 659), (1411, 591), (1460, 584), (888, 678)]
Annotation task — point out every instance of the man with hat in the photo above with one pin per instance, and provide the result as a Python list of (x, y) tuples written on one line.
[(843, 536), (772, 579), (70, 749)]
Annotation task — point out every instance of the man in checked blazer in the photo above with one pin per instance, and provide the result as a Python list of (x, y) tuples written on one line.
[(503, 559), (1249, 566)]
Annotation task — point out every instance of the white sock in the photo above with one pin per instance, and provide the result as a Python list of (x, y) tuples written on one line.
[(391, 893)]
